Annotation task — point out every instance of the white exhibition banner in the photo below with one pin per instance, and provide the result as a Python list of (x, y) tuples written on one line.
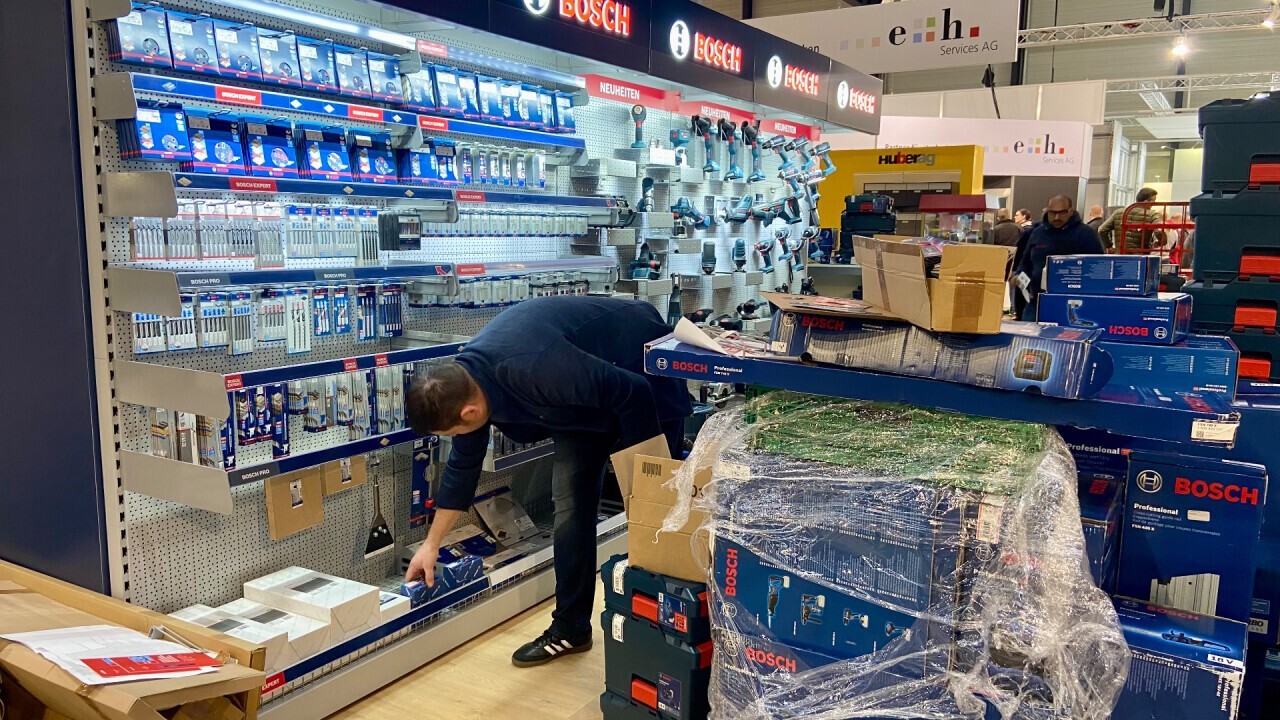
[(1010, 147), (901, 36)]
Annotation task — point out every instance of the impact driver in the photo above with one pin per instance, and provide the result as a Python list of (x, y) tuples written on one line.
[(729, 135), (702, 128)]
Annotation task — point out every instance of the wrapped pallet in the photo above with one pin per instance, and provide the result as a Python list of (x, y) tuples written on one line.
[(885, 561)]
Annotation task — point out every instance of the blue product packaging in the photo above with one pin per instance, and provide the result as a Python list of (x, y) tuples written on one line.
[(227, 434), (1189, 539), (1161, 319), (269, 148), (192, 42), (448, 94), (1101, 507), (448, 577), (141, 37), (465, 167), (238, 55), (279, 54), (1199, 363), (216, 144), (418, 91), (352, 65), (323, 153), (341, 306), (490, 93), (1132, 275), (1185, 666), (445, 152), (470, 95), (547, 98), (373, 159), (157, 132), (384, 77), (564, 112), (277, 397), (418, 167), (315, 64), (509, 92), (531, 107)]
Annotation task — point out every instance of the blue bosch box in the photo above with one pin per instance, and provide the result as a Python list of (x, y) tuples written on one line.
[(1198, 363), (384, 77), (141, 37), (216, 145), (418, 167), (470, 94), (372, 156), (192, 42), (1101, 506), (1160, 319), (279, 54), (448, 94), (509, 91), (238, 55), (315, 62), (352, 65), (323, 152), (1190, 537), (418, 91), (490, 94), (564, 112), (1131, 275), (658, 670), (269, 147), (1185, 666), (531, 107), (158, 131)]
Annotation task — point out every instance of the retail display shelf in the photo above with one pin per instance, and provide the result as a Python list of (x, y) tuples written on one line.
[(291, 186), (380, 660), (1203, 418), (504, 267), (205, 393), (510, 460)]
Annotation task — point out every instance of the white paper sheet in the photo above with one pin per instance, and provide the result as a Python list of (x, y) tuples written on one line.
[(106, 654)]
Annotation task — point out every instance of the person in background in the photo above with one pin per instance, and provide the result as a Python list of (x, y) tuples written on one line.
[(1182, 243), (1061, 233), (1017, 301), (1095, 217), (1135, 239), (1023, 218), (1006, 231)]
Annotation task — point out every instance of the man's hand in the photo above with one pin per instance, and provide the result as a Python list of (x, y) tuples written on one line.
[(423, 564)]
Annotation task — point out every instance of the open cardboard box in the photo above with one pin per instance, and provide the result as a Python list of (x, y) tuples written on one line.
[(671, 554), (30, 601), (966, 297)]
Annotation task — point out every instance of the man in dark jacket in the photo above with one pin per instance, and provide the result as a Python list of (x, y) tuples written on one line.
[(566, 368), (1006, 231), (1061, 233)]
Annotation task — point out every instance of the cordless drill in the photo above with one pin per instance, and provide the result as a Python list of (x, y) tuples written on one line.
[(702, 128), (680, 138), (684, 210), (646, 199), (765, 248), (776, 144), (708, 257), (799, 248), (645, 266), (800, 147), (750, 138), (638, 114), (729, 134), (782, 236)]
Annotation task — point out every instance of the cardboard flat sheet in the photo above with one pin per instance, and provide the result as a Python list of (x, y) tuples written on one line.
[(295, 502), (624, 461)]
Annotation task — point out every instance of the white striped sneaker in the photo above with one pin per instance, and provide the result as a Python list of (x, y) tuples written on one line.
[(546, 648)]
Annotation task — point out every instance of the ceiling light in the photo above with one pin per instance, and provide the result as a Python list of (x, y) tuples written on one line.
[(1180, 48), (1273, 18)]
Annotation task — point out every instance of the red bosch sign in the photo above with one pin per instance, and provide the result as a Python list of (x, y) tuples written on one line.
[(252, 185), (469, 196), (715, 111), (790, 129), (360, 112), (607, 15), (731, 572), (433, 123), (234, 382), (380, 360), (822, 322), (717, 53), (801, 80), (1215, 491), (771, 660), (471, 270), (350, 365), (273, 682), (426, 47), (237, 96), (609, 88)]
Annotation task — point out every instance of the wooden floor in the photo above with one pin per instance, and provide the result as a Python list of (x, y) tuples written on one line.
[(478, 682)]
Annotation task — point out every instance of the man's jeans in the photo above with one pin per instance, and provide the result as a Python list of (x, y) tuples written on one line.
[(576, 480)]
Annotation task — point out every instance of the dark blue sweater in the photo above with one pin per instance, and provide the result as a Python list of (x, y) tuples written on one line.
[(563, 365), (1075, 238)]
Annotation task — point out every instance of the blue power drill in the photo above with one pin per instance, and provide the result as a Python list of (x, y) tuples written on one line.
[(765, 248), (680, 138), (800, 147), (750, 137), (729, 134), (684, 210), (776, 144), (702, 128)]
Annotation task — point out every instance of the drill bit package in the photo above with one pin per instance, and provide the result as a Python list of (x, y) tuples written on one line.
[(873, 560)]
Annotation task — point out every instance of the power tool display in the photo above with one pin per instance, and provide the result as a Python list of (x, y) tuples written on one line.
[(765, 249), (646, 198), (702, 128), (684, 210), (740, 212), (679, 139), (708, 257), (646, 266), (729, 135), (739, 256), (638, 114), (750, 138), (674, 312), (866, 214)]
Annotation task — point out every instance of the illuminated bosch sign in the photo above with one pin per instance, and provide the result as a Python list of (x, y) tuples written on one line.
[(607, 15), (783, 75), (706, 49), (852, 98), (698, 47)]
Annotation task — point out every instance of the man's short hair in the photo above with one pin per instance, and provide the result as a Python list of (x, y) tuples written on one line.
[(1025, 213), (1071, 204), (435, 400), (1096, 210), (1002, 214), (1147, 194)]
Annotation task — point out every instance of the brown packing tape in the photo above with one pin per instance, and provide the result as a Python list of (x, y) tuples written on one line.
[(968, 296), (882, 278)]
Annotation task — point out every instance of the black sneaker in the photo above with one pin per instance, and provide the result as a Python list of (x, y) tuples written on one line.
[(546, 648)]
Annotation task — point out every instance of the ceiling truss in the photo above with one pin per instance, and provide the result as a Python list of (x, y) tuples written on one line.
[(1142, 27)]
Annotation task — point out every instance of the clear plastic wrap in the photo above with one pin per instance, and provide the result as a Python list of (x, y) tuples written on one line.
[(887, 561)]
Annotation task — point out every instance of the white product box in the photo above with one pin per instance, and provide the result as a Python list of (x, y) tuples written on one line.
[(307, 636), (349, 606), (275, 640), (392, 606)]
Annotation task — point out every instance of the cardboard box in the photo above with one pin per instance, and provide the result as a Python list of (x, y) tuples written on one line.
[(274, 639), (1190, 534), (1199, 363), (391, 606), (1162, 319), (344, 474), (1101, 507), (349, 606), (295, 502), (1131, 275), (30, 601), (967, 296), (307, 636), (1185, 666), (671, 554)]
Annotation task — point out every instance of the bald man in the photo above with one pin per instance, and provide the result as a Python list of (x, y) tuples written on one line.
[(1095, 217)]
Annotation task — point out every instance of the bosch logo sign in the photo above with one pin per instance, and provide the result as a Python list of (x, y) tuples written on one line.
[(772, 660), (661, 363), (847, 97), (537, 7), (689, 367), (679, 39), (823, 323), (608, 15), (1215, 491), (1149, 481), (731, 573), (774, 72)]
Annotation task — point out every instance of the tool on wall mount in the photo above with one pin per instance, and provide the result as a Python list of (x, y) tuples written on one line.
[(751, 138), (638, 114), (781, 236), (673, 302), (702, 128), (765, 248), (739, 256), (380, 538), (776, 144), (729, 135), (708, 257), (800, 147), (740, 212), (646, 197), (807, 288), (646, 266), (684, 210), (679, 139)]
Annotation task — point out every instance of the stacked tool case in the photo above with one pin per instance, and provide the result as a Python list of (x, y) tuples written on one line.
[(657, 634), (1237, 243)]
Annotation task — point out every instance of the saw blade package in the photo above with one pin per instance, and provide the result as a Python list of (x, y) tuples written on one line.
[(875, 560)]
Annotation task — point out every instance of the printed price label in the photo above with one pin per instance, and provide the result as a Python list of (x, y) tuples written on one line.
[(619, 575), (990, 515), (1223, 431), (619, 623)]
